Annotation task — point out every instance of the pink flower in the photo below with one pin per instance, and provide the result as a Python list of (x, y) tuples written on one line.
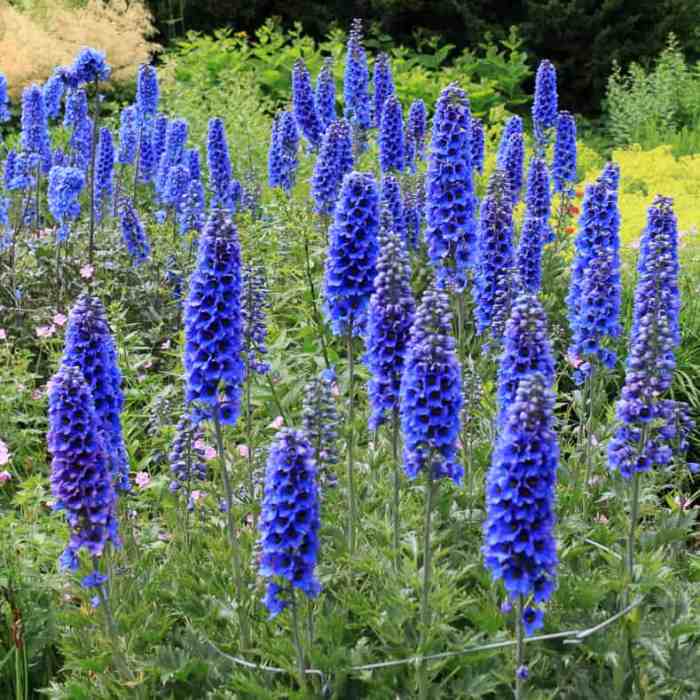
[(59, 319), (197, 495), (4, 453), (46, 331), (277, 423), (635, 244), (142, 479), (148, 364), (5, 476), (37, 394), (199, 444), (243, 451), (3, 334), (601, 519), (574, 360), (335, 391), (209, 453), (87, 271)]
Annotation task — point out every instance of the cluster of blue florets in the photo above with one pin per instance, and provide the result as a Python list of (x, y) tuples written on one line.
[(545, 104), (304, 104), (383, 87), (511, 155), (529, 255), (254, 305), (392, 202), (282, 156), (324, 98), (133, 233), (538, 198), (186, 456), (416, 128), (35, 129), (564, 160), (334, 162), (414, 211), (391, 137), (356, 82), (104, 173), (478, 146), (128, 135), (65, 186)]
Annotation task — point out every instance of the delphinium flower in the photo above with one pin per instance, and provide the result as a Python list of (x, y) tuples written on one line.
[(4, 100), (76, 109), (391, 143), (186, 457), (35, 129), (450, 200), (80, 476), (304, 104), (414, 209), (214, 324), (544, 107), (282, 156), (174, 279), (513, 164), (324, 97), (390, 315), (494, 249), (104, 173), (81, 144), (90, 66), (147, 93), (416, 127), (221, 182), (289, 521), (254, 304), (538, 198), (321, 422), (90, 347), (173, 153), (251, 192), (477, 145), (128, 135), (526, 350), (16, 175), (193, 213), (431, 399), (352, 254), (383, 86), (193, 162), (176, 189), (564, 160), (65, 185), (151, 149), (529, 255), (334, 162), (53, 91), (519, 545), (392, 200), (356, 82), (513, 126), (133, 233)]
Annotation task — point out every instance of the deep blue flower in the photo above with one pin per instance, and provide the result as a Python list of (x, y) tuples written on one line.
[(416, 127), (133, 233), (187, 464), (282, 156), (289, 521), (533, 620), (545, 105), (147, 161), (513, 164), (389, 320), (173, 152), (80, 477), (176, 189), (450, 199), (17, 175), (193, 208), (356, 82), (645, 434), (4, 100), (352, 254), (214, 323), (193, 162), (128, 135), (324, 98), (76, 108), (81, 144), (53, 91), (65, 185), (519, 546), (104, 172), (391, 143), (35, 129), (494, 258), (564, 160), (90, 347), (526, 350), (529, 255), (477, 145), (160, 132), (147, 93), (334, 162), (414, 209), (522, 672), (220, 172), (383, 86), (254, 305), (392, 200), (538, 198), (513, 126), (90, 65), (431, 392), (304, 104)]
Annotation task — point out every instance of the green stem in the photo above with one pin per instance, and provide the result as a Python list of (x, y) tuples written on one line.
[(589, 389), (276, 398), (397, 488), (431, 489), (93, 153), (317, 314), (249, 443), (352, 506), (233, 540), (634, 516), (519, 648), (301, 664)]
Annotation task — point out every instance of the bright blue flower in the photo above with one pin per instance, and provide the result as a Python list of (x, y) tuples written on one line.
[(104, 172), (352, 254), (147, 160), (133, 233), (526, 350), (391, 143), (334, 162), (304, 104), (90, 66), (519, 546), (477, 145), (128, 135), (176, 188), (76, 110), (513, 126), (282, 157), (35, 129), (431, 395), (160, 132), (544, 107), (513, 164), (383, 86), (392, 200), (416, 127), (193, 162), (220, 173), (538, 198), (494, 258), (187, 462), (450, 199), (414, 209), (529, 255), (81, 144), (53, 91), (254, 305), (389, 320), (533, 620), (147, 93), (4, 100), (173, 152), (564, 161), (193, 214), (65, 185), (80, 478), (17, 175), (89, 346), (324, 98), (356, 82), (214, 323), (289, 521), (321, 423)]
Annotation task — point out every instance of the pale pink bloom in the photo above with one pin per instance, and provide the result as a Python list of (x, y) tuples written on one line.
[(148, 364), (335, 391), (601, 518), (5, 476), (142, 479), (4, 453), (59, 319), (43, 232), (209, 453), (87, 271), (199, 444), (197, 495), (459, 444), (50, 503), (46, 331), (574, 360), (635, 244), (277, 423), (682, 502), (37, 394), (3, 334), (243, 451), (164, 536)]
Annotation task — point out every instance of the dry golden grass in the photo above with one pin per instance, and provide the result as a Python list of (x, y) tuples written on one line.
[(33, 43)]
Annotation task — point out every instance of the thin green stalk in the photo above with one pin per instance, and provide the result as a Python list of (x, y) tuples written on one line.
[(249, 441), (352, 514), (296, 637), (93, 151), (590, 390), (397, 488), (519, 648), (314, 303), (431, 489), (233, 539), (275, 398), (634, 516)]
